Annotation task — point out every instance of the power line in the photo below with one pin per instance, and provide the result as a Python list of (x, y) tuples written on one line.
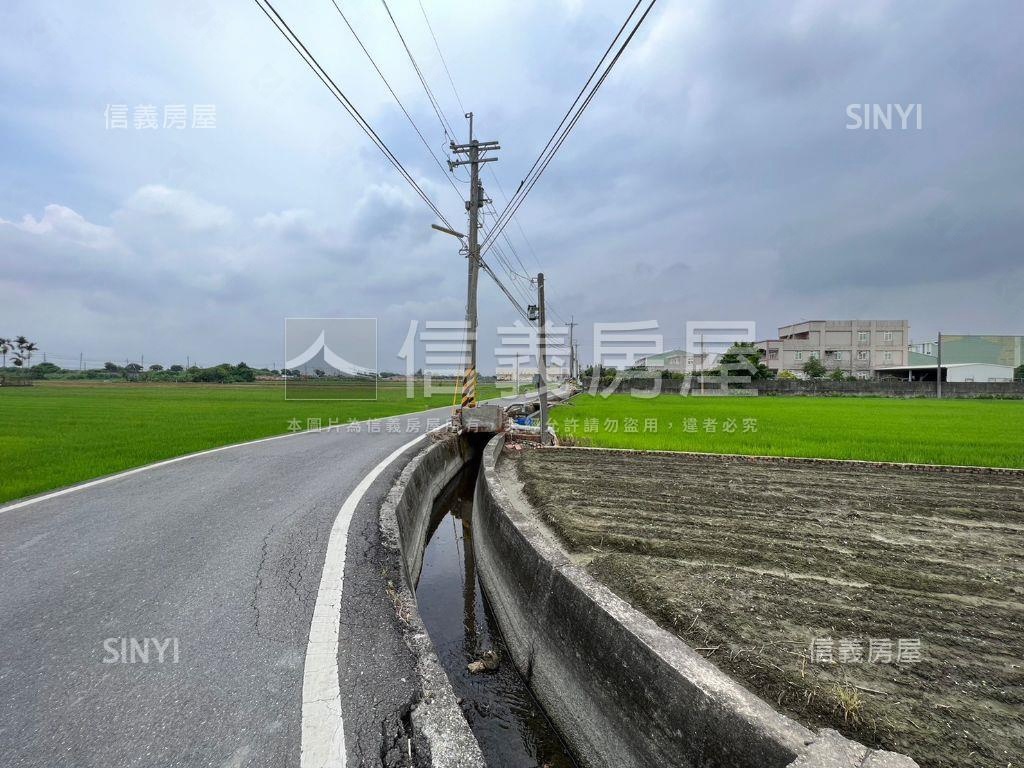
[(502, 258), (522, 231), (511, 247), (391, 90), (515, 302), (572, 115), (515, 253), (458, 98), (293, 39), (300, 48), (443, 62), (445, 126), (561, 133), (426, 144), (514, 277)]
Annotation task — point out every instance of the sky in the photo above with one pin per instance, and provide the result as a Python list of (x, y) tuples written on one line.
[(715, 176)]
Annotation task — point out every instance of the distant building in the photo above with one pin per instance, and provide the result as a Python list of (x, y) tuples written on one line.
[(856, 347), (527, 373), (971, 348), (675, 360)]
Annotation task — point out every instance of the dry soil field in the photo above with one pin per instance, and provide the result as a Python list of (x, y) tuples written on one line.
[(882, 601)]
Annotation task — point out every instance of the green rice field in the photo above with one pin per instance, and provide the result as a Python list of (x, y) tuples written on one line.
[(969, 432), (53, 435)]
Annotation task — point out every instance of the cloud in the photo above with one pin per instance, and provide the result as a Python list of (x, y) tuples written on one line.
[(177, 207), (64, 224), (713, 174), (179, 262), (295, 223)]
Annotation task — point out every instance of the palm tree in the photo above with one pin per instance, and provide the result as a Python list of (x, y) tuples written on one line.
[(30, 347), (5, 347), (23, 352)]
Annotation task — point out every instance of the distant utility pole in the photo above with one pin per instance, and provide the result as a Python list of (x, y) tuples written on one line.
[(702, 363), (476, 201), (517, 374), (938, 368), (542, 363), (572, 353)]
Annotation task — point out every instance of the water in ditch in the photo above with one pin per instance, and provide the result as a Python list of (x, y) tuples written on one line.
[(509, 724)]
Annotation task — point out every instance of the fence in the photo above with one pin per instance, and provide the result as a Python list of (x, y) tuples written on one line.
[(828, 388)]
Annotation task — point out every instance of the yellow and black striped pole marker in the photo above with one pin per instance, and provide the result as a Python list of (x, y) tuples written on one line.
[(469, 389)]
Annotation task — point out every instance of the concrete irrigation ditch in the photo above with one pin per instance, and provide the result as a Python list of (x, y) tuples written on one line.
[(621, 690)]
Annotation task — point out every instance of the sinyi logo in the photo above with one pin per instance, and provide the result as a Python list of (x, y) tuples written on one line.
[(133, 650), (875, 117)]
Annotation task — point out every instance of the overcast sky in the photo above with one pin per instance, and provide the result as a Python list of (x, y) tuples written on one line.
[(714, 177)]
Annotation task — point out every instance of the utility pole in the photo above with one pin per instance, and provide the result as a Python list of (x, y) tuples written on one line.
[(473, 151), (938, 369), (702, 363), (542, 363), (517, 375), (572, 353)]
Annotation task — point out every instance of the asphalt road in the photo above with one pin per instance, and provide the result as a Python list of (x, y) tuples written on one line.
[(214, 562)]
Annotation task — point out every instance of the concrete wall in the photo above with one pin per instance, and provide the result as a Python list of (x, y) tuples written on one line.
[(441, 734), (980, 389), (979, 372), (622, 691), (429, 473), (872, 388)]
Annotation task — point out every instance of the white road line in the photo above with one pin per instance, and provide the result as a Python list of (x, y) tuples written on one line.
[(323, 732)]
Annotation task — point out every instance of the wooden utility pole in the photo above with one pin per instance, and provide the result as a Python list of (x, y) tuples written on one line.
[(542, 361), (938, 368), (473, 151)]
